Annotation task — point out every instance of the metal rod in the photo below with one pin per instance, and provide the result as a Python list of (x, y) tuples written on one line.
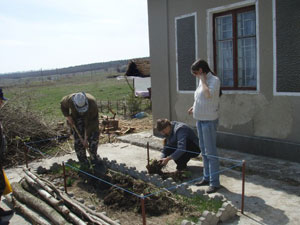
[(148, 157), (143, 211), (243, 186), (65, 179)]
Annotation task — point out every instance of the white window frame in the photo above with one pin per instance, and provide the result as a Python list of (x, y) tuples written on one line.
[(176, 47), (275, 92), (210, 45)]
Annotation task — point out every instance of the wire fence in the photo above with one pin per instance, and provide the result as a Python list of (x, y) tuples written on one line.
[(238, 163), (125, 107), (141, 196)]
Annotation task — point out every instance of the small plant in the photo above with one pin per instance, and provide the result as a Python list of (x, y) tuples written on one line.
[(70, 181), (155, 167), (134, 103), (201, 204)]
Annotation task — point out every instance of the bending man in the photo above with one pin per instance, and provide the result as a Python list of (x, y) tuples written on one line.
[(81, 112)]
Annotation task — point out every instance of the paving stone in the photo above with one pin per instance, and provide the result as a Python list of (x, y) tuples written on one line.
[(222, 215), (186, 222), (207, 215), (214, 220)]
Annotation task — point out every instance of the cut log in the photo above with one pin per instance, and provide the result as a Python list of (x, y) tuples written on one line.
[(37, 204), (82, 209), (58, 205), (31, 215), (70, 203)]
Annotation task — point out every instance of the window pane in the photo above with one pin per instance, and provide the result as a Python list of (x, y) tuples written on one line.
[(246, 24), (247, 62), (224, 27), (225, 63)]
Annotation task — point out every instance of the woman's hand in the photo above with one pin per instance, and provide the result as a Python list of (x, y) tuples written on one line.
[(190, 111)]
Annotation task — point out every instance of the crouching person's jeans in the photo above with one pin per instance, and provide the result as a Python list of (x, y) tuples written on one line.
[(207, 132)]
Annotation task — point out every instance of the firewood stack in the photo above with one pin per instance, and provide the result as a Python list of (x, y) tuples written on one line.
[(42, 203)]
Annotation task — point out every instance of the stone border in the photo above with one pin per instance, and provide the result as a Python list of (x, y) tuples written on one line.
[(226, 212)]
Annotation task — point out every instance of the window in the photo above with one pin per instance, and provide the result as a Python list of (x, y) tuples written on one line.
[(235, 48)]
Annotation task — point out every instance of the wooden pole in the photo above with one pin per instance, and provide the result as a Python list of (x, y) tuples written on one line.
[(143, 210), (108, 106), (148, 157), (117, 106), (65, 179), (243, 186), (26, 157), (101, 106)]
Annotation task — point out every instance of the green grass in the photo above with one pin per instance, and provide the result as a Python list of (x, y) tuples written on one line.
[(202, 204), (44, 97)]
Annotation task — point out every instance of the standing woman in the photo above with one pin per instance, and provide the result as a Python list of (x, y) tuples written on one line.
[(205, 111)]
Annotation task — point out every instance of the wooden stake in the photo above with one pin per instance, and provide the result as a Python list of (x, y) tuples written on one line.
[(243, 186), (143, 210), (26, 157), (148, 157), (65, 179)]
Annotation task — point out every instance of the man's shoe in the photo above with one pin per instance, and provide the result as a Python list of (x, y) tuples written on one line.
[(202, 183), (5, 212), (99, 166), (212, 189)]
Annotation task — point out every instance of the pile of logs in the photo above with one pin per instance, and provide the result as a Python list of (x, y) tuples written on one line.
[(42, 203)]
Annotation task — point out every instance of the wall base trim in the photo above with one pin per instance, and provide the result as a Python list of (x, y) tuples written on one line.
[(269, 147)]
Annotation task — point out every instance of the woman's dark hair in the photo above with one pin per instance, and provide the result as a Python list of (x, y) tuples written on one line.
[(202, 64), (162, 124)]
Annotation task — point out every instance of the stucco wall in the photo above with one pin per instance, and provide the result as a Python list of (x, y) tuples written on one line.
[(259, 113)]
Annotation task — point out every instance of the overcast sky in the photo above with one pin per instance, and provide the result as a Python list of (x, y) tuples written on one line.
[(48, 34)]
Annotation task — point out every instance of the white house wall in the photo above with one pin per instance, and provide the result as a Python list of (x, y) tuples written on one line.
[(250, 113)]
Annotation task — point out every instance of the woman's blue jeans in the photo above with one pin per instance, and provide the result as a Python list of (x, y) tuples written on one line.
[(207, 132)]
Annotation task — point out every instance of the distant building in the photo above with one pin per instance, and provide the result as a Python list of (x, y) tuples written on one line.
[(139, 70)]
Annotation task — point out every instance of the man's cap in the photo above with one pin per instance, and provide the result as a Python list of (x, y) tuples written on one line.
[(80, 102), (1, 95)]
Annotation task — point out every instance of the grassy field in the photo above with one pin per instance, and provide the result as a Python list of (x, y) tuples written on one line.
[(44, 97)]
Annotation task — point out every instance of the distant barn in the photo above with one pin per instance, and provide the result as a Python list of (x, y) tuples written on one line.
[(139, 69)]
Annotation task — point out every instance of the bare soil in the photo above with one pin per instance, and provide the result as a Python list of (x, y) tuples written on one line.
[(163, 208)]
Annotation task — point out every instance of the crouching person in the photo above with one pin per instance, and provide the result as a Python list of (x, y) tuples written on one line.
[(181, 144)]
